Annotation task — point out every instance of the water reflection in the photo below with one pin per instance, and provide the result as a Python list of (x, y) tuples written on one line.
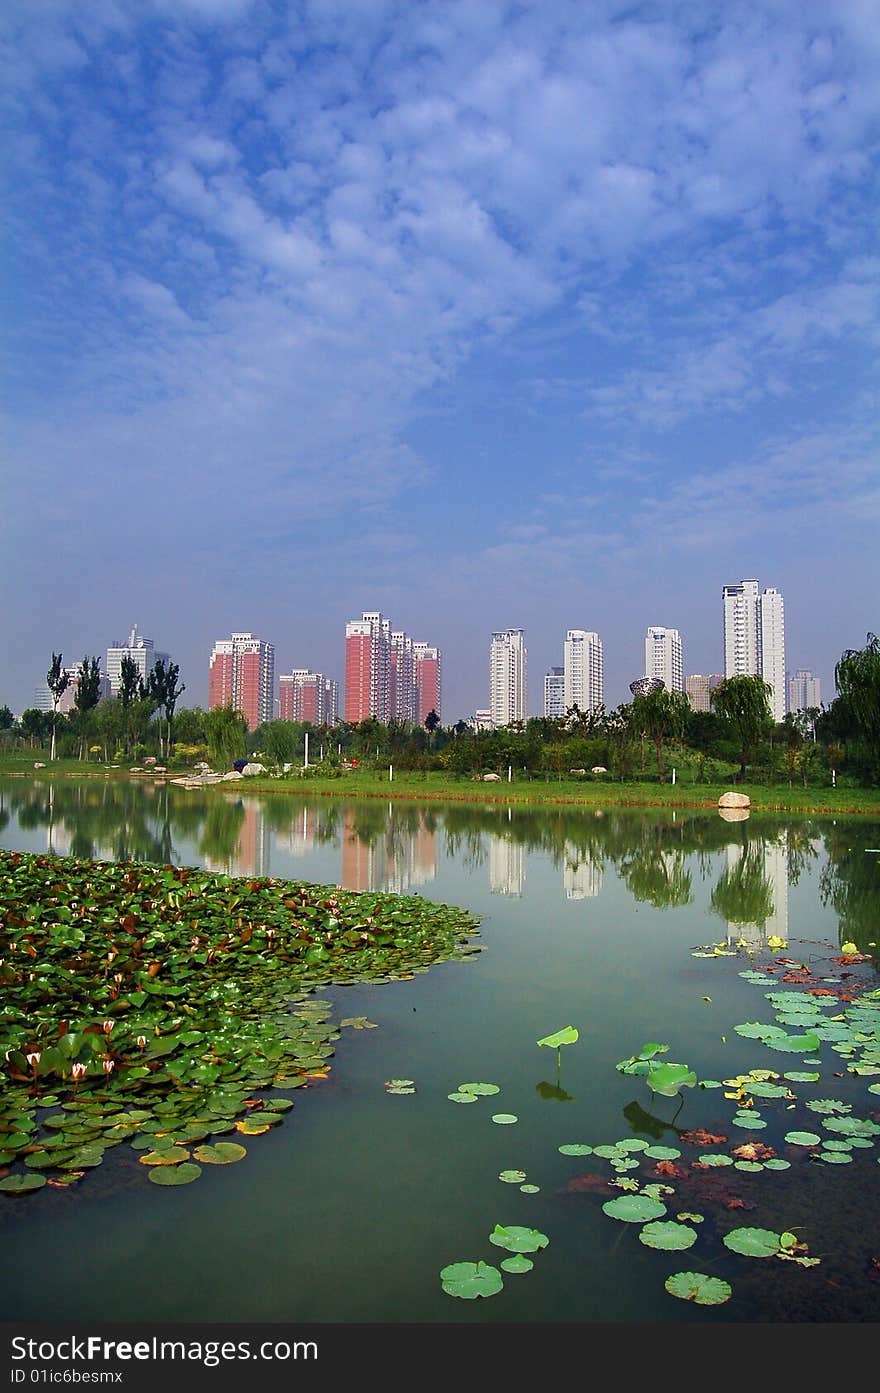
[(663, 858)]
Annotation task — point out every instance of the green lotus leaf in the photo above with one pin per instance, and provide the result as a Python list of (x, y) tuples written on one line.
[(685, 1218), (767, 1090), (482, 1090), (697, 1287), (851, 1126), (224, 1153), (748, 1165), (802, 1076), (834, 1158), (512, 1177), (518, 1240), (608, 1152), (517, 1263), (803, 1138), (829, 1106), (168, 1156), (710, 1083), (566, 1036), (777, 1163), (634, 1209), (470, 1280), (625, 1163), (20, 1184), (576, 1148), (748, 1121), (715, 1158), (667, 1235), (663, 1153), (529, 1190), (793, 1044), (504, 1118), (359, 1023), (668, 1079), (462, 1097), (753, 1243), (632, 1144), (757, 1030), (176, 1175), (832, 1146)]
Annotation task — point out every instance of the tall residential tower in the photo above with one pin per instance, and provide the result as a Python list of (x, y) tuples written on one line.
[(507, 677), (242, 674), (663, 657), (754, 638), (584, 670)]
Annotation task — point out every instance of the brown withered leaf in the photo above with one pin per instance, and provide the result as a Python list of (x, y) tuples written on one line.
[(754, 1151), (669, 1168), (700, 1137)]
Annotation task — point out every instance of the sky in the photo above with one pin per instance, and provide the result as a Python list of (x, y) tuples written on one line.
[(485, 315)]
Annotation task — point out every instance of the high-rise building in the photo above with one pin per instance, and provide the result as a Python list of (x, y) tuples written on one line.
[(67, 701), (584, 670), (242, 674), (368, 667), (507, 677), (554, 693), (699, 687), (754, 638), (663, 657), (308, 696), (429, 681), (402, 677), (804, 690), (142, 653)]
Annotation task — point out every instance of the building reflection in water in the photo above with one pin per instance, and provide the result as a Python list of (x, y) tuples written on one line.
[(250, 853), (581, 876), (397, 860), (756, 877), (506, 865)]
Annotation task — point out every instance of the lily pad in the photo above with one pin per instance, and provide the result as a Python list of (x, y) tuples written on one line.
[(529, 1190), (803, 1138), (576, 1148), (835, 1158), (697, 1287), (223, 1153), (667, 1235), (504, 1118), (663, 1153), (517, 1263), (716, 1158), (482, 1090), (668, 1079), (462, 1097), (802, 1076), (170, 1156), (512, 1177), (470, 1280), (20, 1184), (517, 1239), (176, 1175), (566, 1036), (753, 1243), (634, 1209)]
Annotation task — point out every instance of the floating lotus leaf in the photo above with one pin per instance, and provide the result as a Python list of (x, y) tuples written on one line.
[(462, 1097), (359, 1023), (275, 1105), (517, 1263), (566, 1036), (512, 1177), (528, 1190), (482, 1090), (504, 1118), (176, 1175), (748, 1165), (697, 1287), (252, 1126), (716, 1159), (390, 1088), (656, 1190), (768, 1090), (576, 1148), (710, 1083), (224, 1153), (858, 1142), (692, 1218), (834, 1158), (662, 1153), (837, 1146), (85, 1159), (634, 1209), (802, 1076), (753, 1243), (803, 1138), (518, 1240), (757, 1030), (874, 1087), (22, 1183), (777, 1163), (793, 1044), (632, 1144), (748, 1121), (667, 1235), (668, 1079), (171, 1156), (625, 1163), (829, 1106), (608, 1152), (851, 1126)]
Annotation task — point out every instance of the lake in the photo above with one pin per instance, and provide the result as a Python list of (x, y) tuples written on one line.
[(633, 926)]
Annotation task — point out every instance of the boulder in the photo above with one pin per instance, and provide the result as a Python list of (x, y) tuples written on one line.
[(491, 778), (732, 799), (577, 771), (598, 769), (39, 764), (250, 769), (233, 774)]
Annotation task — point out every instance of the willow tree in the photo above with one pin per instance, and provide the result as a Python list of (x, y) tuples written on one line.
[(57, 681), (657, 714), (743, 703), (857, 677)]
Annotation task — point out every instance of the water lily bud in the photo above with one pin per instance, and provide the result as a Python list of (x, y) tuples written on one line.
[(33, 1059), (142, 1042), (108, 1026), (108, 1066), (78, 1071)]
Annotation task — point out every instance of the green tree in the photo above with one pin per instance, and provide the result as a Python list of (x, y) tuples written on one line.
[(7, 720), (857, 677), (57, 681), (743, 703), (163, 690), (660, 713), (35, 725), (226, 730), (129, 680)]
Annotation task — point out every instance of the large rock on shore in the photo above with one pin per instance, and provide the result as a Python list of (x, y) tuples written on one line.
[(734, 800)]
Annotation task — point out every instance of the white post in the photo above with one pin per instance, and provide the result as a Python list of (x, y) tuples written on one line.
[(509, 773), (673, 776), (307, 750), (391, 773)]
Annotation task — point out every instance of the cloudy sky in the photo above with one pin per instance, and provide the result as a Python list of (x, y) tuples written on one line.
[(546, 314)]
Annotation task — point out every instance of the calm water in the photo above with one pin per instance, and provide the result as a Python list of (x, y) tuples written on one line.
[(348, 1211)]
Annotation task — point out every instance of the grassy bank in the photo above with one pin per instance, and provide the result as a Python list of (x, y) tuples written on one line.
[(536, 791)]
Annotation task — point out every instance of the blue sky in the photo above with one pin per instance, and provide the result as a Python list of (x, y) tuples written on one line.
[(486, 315)]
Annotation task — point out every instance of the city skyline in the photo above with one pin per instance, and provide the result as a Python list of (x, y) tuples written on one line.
[(540, 314)]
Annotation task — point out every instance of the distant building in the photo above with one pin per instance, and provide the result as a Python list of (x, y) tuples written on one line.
[(663, 657), (507, 676), (429, 681), (584, 670), (804, 690), (367, 667), (242, 674), (754, 638), (308, 696), (699, 687), (554, 693), (402, 678), (482, 719), (67, 701), (142, 653)]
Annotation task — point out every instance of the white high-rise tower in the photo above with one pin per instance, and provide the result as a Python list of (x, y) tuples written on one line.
[(507, 677), (584, 670), (754, 638), (663, 657)]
